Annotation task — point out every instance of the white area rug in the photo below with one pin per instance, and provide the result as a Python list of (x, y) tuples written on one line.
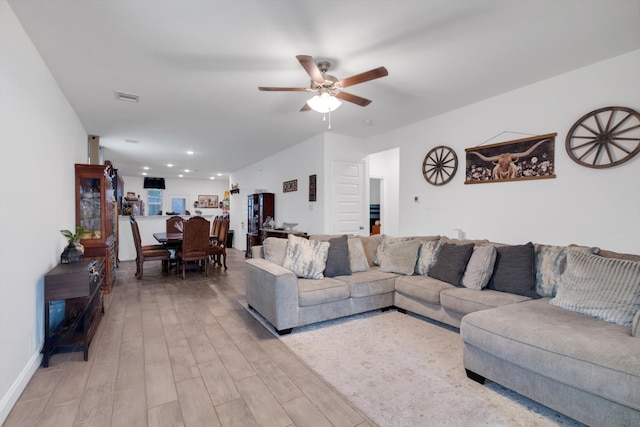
[(402, 370)]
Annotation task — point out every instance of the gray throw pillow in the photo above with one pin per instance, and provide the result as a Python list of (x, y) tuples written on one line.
[(306, 258), (338, 258), (514, 270), (275, 249), (451, 263), (551, 261), (604, 288), (427, 256), (357, 255)]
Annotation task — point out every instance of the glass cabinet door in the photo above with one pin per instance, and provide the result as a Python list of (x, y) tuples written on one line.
[(90, 204)]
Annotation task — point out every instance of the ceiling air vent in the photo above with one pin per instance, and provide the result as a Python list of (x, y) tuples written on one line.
[(129, 97)]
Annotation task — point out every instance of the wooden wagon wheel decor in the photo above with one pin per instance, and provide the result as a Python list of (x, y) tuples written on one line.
[(440, 165), (605, 137)]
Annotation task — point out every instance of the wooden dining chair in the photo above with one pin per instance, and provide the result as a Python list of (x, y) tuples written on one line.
[(175, 224), (147, 252), (215, 229), (218, 249), (195, 245)]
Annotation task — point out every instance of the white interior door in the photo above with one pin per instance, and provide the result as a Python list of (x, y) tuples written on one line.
[(348, 197)]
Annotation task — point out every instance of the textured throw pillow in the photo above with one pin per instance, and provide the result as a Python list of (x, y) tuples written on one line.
[(551, 261), (427, 256), (451, 262), (386, 241), (370, 244), (338, 258), (275, 249), (514, 270), (400, 257), (306, 258), (604, 288), (357, 256), (479, 268), (635, 326)]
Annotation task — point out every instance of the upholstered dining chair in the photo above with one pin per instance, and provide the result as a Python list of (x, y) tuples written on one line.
[(215, 229), (218, 248), (195, 244), (175, 224), (147, 252)]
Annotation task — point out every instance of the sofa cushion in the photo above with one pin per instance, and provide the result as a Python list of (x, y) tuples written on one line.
[(427, 256), (370, 244), (423, 288), (464, 300), (306, 258), (479, 268), (451, 262), (551, 261), (315, 292), (514, 271), (604, 288), (372, 282), (400, 257), (338, 257), (573, 349), (275, 249)]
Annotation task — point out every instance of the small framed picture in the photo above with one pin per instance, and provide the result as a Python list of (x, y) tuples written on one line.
[(289, 186), (312, 188)]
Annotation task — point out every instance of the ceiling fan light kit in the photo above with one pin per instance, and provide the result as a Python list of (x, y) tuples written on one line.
[(324, 103)]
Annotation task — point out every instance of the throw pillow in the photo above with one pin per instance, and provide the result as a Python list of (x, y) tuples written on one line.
[(370, 244), (427, 256), (514, 270), (306, 258), (551, 261), (635, 325), (604, 288), (400, 257), (451, 262), (275, 249), (338, 258), (386, 241), (479, 268), (357, 256)]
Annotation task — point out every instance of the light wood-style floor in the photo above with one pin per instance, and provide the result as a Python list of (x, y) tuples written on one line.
[(173, 352)]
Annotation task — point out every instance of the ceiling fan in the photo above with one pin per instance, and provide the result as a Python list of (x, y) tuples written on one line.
[(327, 87)]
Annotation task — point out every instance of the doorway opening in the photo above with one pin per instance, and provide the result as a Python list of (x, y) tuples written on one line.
[(375, 202)]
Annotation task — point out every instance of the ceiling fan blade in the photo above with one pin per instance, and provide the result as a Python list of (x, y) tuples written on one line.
[(286, 89), (363, 102), (311, 68), (376, 73), (305, 107)]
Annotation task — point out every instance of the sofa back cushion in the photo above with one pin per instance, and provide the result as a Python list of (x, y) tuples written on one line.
[(306, 258), (479, 268), (604, 288), (370, 244), (514, 270), (451, 263), (400, 257), (338, 258), (274, 249)]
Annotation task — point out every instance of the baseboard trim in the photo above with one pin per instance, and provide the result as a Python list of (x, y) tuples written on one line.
[(13, 394)]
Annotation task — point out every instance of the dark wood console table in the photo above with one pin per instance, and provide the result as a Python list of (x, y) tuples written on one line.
[(283, 234), (80, 285)]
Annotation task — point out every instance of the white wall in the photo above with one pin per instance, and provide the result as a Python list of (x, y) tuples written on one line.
[(599, 207), (41, 138)]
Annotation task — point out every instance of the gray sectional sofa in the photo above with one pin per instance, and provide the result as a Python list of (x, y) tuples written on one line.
[(518, 320)]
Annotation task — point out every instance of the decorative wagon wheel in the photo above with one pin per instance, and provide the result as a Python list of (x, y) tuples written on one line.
[(440, 165), (605, 137)]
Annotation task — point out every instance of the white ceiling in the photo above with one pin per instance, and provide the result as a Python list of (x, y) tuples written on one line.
[(196, 66)]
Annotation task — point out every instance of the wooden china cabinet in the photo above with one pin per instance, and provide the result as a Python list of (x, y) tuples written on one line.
[(96, 214), (259, 207)]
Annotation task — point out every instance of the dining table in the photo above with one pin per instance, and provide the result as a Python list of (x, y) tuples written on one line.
[(168, 238)]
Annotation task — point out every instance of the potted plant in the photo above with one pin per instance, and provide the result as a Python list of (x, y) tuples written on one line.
[(74, 250)]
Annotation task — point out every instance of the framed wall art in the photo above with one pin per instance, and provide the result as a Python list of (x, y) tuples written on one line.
[(312, 188), (521, 159), (289, 186), (207, 201)]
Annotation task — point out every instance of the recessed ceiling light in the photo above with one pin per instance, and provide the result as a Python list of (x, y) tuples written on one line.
[(213, 177), (169, 165), (132, 141), (145, 168), (180, 176), (187, 170), (144, 173), (189, 152), (219, 174)]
